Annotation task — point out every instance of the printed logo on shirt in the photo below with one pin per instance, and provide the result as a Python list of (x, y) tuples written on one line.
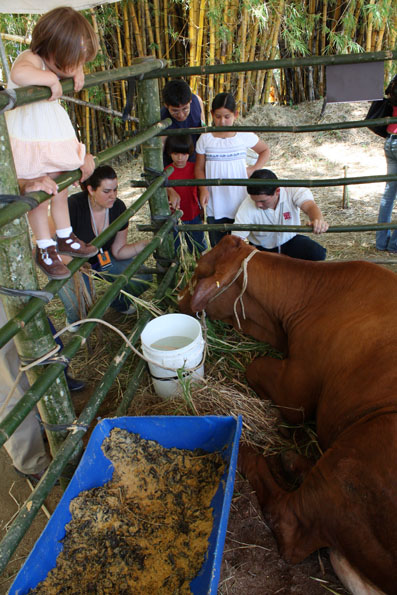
[(287, 215)]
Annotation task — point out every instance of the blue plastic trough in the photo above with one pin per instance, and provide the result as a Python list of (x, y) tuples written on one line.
[(210, 433)]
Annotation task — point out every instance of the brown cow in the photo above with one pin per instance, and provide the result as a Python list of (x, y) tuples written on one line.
[(336, 324)]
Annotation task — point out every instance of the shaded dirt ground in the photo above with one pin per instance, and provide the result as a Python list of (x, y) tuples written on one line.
[(251, 563)]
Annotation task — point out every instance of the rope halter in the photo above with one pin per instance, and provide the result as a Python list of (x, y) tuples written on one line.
[(242, 269)]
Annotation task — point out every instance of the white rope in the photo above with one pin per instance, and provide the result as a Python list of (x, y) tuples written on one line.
[(242, 269), (37, 362)]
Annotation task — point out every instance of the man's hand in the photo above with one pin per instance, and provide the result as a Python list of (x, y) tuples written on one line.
[(319, 225)]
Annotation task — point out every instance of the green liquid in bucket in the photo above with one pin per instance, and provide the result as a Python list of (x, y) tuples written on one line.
[(171, 343)]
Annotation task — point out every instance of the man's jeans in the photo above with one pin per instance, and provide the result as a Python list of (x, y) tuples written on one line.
[(137, 285), (385, 238)]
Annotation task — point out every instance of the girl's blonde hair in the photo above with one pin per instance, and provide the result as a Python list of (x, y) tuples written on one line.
[(65, 36)]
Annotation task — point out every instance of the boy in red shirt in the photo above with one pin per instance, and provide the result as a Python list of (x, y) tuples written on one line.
[(179, 148)]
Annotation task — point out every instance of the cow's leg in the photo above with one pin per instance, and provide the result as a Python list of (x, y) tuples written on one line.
[(287, 383), (295, 540), (350, 577), (295, 465)]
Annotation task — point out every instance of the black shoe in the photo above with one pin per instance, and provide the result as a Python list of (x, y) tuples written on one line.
[(74, 384), (34, 478)]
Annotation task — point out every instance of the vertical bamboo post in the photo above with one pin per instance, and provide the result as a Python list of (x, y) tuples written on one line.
[(17, 271), (152, 151)]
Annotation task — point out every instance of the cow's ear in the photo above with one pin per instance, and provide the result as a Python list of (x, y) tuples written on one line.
[(210, 286), (216, 269), (203, 292)]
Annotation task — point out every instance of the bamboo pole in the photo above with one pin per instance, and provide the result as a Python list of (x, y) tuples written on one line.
[(252, 47), (368, 40), (241, 76), (381, 32), (141, 366), (192, 39), (136, 29), (18, 271), (121, 56), (156, 9), (211, 57), (200, 32), (279, 228), (150, 30), (166, 32), (361, 58), (152, 151), (273, 49)]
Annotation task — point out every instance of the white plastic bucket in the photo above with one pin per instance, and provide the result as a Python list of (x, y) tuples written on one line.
[(174, 341)]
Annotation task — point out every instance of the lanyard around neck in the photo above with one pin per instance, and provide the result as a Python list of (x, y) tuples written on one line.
[(106, 222)]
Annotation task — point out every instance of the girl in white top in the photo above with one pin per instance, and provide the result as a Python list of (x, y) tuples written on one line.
[(223, 155), (42, 137)]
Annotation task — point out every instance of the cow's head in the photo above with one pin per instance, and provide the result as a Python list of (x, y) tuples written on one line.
[(212, 289), (215, 270)]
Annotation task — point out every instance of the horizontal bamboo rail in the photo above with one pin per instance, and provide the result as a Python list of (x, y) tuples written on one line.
[(271, 64), (33, 93), (278, 228), (32, 505), (284, 129), (284, 182)]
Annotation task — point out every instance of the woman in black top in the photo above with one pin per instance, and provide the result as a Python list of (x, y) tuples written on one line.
[(92, 211)]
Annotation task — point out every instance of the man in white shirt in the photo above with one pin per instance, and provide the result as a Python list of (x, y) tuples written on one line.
[(269, 205)]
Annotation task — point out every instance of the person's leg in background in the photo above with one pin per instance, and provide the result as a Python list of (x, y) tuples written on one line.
[(216, 236), (385, 240), (195, 239), (77, 296), (74, 384), (26, 445), (304, 248)]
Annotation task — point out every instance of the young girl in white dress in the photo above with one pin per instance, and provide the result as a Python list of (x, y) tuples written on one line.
[(42, 137), (223, 155)]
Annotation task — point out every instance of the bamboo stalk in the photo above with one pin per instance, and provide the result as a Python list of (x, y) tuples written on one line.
[(231, 24), (142, 25), (166, 33), (150, 30), (381, 32), (368, 41), (252, 47), (136, 29), (156, 7), (192, 38), (200, 32), (273, 49), (121, 59), (241, 76), (211, 57)]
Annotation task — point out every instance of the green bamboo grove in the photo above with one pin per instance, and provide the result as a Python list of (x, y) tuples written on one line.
[(201, 33)]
